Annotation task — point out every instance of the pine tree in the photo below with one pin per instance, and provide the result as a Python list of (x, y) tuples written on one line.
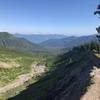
[(98, 28)]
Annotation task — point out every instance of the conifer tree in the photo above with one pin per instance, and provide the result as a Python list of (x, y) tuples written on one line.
[(98, 28)]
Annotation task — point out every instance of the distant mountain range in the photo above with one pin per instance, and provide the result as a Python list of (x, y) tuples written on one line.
[(68, 42), (38, 38), (57, 43), (54, 42), (11, 42), (38, 42)]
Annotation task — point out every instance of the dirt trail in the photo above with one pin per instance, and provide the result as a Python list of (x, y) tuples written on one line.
[(36, 70), (93, 92)]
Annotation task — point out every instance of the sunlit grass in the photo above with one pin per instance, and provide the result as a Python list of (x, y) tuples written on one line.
[(97, 55), (13, 64)]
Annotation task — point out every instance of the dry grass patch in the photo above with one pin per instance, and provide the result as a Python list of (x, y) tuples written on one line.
[(12, 64), (97, 55)]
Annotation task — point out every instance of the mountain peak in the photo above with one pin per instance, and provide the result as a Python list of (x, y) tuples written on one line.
[(6, 35)]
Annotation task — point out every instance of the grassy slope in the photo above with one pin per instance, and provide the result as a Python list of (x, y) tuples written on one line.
[(22, 59), (25, 60)]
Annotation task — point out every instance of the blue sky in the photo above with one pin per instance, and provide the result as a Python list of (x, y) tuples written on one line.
[(70, 17)]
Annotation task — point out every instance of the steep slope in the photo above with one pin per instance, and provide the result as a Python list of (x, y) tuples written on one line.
[(9, 41), (77, 83), (68, 42), (70, 79), (18, 68)]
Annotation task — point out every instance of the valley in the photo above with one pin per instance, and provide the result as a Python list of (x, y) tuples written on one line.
[(70, 79), (42, 74)]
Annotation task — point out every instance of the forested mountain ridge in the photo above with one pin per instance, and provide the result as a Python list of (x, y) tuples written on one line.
[(11, 42)]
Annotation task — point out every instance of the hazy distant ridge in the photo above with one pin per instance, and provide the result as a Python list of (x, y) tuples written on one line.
[(38, 38), (67, 42)]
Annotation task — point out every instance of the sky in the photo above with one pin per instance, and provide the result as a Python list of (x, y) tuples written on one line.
[(70, 17)]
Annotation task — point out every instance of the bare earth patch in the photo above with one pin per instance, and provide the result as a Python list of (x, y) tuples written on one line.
[(9, 64), (37, 70)]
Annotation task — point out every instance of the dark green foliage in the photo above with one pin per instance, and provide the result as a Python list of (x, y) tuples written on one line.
[(93, 45)]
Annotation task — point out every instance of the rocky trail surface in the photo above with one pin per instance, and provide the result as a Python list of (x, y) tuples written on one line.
[(93, 92)]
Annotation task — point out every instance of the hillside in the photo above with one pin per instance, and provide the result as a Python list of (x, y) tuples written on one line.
[(13, 64), (19, 69), (68, 42), (6, 35), (71, 78), (11, 42)]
